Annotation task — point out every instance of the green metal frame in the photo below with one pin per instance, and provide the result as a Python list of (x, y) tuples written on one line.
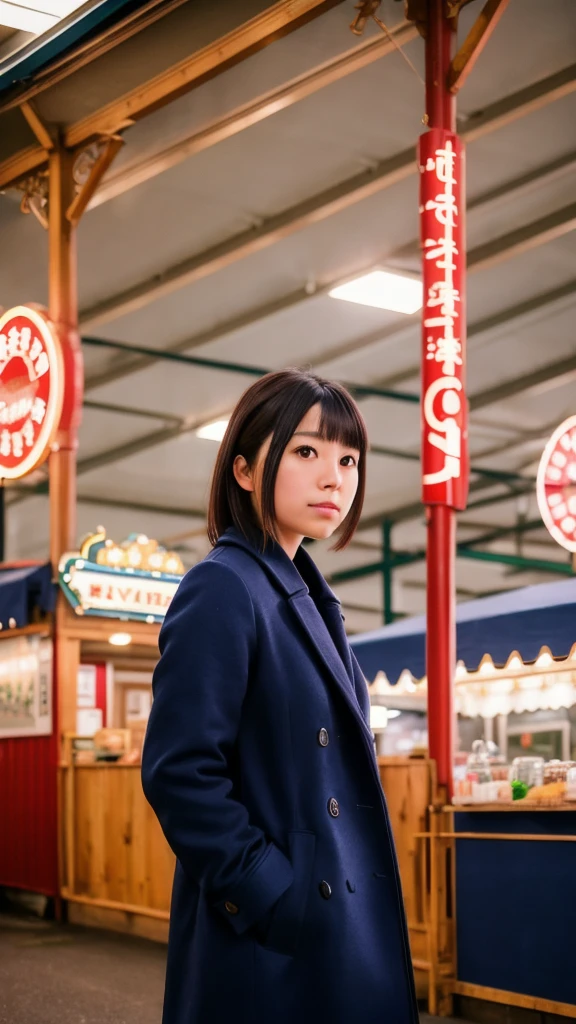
[(390, 559), (399, 558)]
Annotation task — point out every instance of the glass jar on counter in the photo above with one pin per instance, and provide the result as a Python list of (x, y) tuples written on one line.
[(571, 783), (529, 770)]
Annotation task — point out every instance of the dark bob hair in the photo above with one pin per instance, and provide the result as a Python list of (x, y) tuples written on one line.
[(275, 405)]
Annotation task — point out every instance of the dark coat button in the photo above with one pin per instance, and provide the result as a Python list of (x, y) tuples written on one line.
[(231, 907), (333, 807), (325, 890), (323, 738)]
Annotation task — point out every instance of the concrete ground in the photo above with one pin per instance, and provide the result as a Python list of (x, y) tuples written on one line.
[(52, 974)]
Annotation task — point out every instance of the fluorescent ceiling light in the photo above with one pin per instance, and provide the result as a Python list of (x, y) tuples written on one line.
[(213, 431), (395, 292), (26, 19)]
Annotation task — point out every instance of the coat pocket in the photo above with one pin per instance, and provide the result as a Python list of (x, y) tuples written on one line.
[(287, 918)]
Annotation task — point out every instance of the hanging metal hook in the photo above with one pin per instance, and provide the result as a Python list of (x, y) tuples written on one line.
[(366, 10)]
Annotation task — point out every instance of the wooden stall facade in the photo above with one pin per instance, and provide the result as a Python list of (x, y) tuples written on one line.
[(117, 868)]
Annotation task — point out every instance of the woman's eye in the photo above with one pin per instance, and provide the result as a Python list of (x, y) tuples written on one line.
[(348, 460), (305, 451)]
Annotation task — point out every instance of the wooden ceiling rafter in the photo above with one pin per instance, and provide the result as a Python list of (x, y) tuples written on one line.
[(242, 42), (251, 113), (246, 39), (318, 207), (89, 51)]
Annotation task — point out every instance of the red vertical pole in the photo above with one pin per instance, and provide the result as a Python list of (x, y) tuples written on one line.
[(440, 591)]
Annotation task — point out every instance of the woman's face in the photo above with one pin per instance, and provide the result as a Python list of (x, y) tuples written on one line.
[(315, 485)]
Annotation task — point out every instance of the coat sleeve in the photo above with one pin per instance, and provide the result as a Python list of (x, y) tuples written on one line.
[(207, 643)]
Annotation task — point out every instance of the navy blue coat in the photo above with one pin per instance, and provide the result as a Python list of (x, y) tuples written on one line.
[(260, 765)]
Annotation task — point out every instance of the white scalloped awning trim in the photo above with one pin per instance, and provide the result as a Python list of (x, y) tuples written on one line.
[(546, 684)]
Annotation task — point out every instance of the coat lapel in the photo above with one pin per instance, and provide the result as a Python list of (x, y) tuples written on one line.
[(332, 614), (315, 628), (327, 637)]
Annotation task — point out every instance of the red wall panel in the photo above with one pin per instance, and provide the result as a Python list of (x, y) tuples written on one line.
[(28, 814)]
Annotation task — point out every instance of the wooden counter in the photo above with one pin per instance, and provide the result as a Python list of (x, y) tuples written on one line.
[(516, 805), (118, 868)]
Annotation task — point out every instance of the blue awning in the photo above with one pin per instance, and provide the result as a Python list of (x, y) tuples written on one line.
[(23, 590), (520, 620)]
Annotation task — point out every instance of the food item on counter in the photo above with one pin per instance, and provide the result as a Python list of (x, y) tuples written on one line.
[(504, 794), (557, 771), (84, 757), (519, 789), (132, 757), (552, 793)]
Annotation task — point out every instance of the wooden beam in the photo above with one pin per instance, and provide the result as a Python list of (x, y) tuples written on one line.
[(90, 50), (496, 995), (241, 42), (20, 164), (99, 168), (475, 42), (249, 114), (517, 242), (283, 17), (38, 127), (526, 101), (315, 208), (553, 373)]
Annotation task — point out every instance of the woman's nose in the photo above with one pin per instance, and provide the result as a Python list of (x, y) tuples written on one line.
[(332, 476)]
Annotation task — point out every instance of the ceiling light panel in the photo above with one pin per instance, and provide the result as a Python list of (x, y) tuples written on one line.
[(213, 431), (37, 16), (395, 292)]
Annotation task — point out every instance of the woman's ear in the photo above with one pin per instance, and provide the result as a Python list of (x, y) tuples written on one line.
[(243, 473)]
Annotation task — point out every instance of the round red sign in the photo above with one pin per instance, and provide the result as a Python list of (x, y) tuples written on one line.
[(31, 390), (556, 484)]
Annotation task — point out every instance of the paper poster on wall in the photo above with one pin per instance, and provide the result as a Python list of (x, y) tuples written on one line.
[(25, 687), (138, 704), (86, 687), (88, 721)]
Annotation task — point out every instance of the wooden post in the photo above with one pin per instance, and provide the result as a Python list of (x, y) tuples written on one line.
[(63, 308)]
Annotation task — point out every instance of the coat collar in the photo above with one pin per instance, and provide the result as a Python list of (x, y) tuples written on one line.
[(300, 576), (305, 587)]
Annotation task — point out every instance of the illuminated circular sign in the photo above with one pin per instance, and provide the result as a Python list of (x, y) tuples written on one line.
[(556, 484), (31, 390)]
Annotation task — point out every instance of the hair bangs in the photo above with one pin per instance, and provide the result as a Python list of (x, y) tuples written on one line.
[(340, 420)]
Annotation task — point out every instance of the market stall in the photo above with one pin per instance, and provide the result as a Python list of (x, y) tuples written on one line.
[(510, 829), (116, 866)]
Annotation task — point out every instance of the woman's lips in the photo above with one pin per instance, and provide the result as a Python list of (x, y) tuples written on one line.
[(326, 508)]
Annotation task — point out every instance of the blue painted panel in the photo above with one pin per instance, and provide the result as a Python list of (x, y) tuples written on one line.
[(515, 904)]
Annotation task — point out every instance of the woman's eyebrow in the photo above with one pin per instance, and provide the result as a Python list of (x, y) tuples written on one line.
[(306, 433)]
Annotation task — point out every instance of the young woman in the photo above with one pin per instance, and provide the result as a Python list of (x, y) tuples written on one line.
[(259, 761)]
